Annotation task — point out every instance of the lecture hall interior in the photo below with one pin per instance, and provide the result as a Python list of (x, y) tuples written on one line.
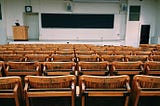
[(79, 52)]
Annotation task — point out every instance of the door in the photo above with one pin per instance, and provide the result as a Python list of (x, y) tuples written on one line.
[(144, 37), (32, 20)]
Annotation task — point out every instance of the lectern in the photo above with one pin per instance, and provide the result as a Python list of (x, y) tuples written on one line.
[(20, 32)]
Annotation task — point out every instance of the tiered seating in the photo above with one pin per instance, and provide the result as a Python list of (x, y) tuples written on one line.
[(54, 59)]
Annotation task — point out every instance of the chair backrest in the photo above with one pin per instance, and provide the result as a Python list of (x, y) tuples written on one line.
[(62, 58), (111, 58), (11, 57), (37, 57), (145, 85), (64, 52), (11, 87), (80, 52), (142, 58), (155, 58), (50, 81), (108, 82), (152, 67), (93, 68), (146, 81), (58, 68), (89, 58), (50, 86), (127, 67), (22, 68)]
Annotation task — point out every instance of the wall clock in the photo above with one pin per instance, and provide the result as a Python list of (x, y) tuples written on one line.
[(28, 8)]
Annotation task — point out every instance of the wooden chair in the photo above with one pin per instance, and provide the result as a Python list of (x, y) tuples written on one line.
[(127, 68), (142, 52), (143, 58), (65, 52), (105, 53), (37, 57), (154, 58), (11, 87), (80, 52), (123, 52), (93, 68), (111, 58), (50, 86), (89, 58), (1, 68), (62, 58), (152, 68), (144, 85), (11, 57), (104, 86), (22, 68), (59, 68)]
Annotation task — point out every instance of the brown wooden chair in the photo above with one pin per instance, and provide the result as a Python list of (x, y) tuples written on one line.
[(144, 85), (65, 52), (143, 58), (152, 68), (37, 57), (59, 68), (11, 87), (154, 58), (93, 68), (11, 57), (80, 52), (1, 68), (22, 68), (105, 53), (127, 68), (89, 58), (111, 58), (62, 58), (50, 86), (104, 86)]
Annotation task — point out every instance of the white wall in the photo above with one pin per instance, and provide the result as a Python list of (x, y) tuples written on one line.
[(3, 32), (14, 9), (158, 22), (82, 34), (147, 17)]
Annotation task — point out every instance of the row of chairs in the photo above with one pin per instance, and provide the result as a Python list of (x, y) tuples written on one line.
[(77, 58), (89, 86), (80, 68), (68, 51)]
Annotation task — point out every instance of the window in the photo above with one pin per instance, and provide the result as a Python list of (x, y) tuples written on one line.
[(134, 13)]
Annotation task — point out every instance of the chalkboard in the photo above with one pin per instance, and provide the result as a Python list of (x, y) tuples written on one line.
[(77, 20)]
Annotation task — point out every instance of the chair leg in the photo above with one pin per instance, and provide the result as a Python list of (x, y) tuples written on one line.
[(27, 101), (83, 100), (17, 100), (126, 101), (136, 99), (73, 100)]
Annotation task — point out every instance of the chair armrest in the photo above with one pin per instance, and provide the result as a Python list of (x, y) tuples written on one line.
[(128, 87), (15, 88), (142, 69), (7, 68), (147, 69)]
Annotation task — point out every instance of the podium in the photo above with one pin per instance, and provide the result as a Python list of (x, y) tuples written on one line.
[(20, 33)]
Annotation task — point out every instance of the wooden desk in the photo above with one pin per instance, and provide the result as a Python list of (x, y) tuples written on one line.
[(20, 32)]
